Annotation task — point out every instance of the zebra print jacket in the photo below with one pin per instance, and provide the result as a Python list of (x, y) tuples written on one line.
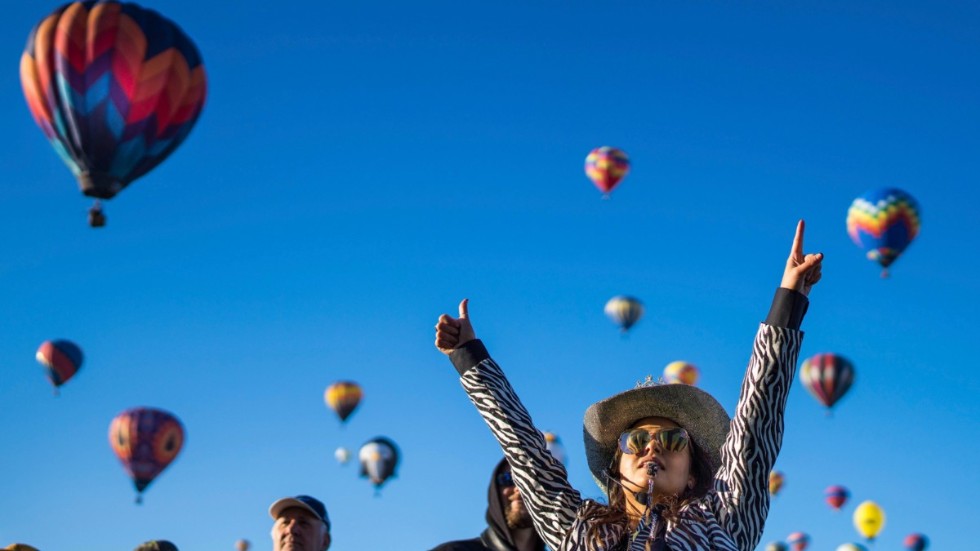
[(730, 517)]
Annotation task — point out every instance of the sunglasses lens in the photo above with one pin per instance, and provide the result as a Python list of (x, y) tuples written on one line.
[(634, 441), (505, 479), (672, 440)]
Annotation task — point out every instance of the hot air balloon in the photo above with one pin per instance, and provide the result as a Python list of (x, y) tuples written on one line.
[(242, 545), (61, 359), (606, 166), (883, 222), (916, 542), (379, 460), (836, 496), (624, 311), (776, 546), (869, 519), (20, 547), (851, 547), (342, 455), (554, 445), (827, 377), (115, 88), (343, 397), (798, 541), (776, 480), (146, 440), (681, 372)]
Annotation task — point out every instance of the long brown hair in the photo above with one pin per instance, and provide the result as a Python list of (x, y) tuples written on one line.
[(614, 512)]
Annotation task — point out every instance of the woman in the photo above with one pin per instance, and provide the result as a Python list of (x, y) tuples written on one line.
[(678, 474)]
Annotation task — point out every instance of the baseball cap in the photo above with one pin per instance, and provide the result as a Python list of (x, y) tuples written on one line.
[(311, 504)]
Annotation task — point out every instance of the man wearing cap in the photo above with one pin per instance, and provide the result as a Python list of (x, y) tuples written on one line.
[(509, 524), (301, 524)]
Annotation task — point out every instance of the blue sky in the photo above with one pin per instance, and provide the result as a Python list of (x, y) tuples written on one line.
[(359, 167)]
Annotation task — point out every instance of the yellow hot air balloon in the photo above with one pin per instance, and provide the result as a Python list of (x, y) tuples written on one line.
[(776, 480), (343, 397), (869, 519), (681, 372)]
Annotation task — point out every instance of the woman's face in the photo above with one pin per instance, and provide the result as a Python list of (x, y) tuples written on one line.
[(674, 467)]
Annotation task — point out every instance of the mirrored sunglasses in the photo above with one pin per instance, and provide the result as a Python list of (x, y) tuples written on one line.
[(634, 441), (505, 480)]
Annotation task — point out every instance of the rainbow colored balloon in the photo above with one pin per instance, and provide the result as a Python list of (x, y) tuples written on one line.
[(916, 542), (883, 222), (61, 360), (681, 372), (624, 311), (776, 480), (798, 541), (146, 441), (836, 496), (114, 87), (827, 377), (606, 167), (343, 397)]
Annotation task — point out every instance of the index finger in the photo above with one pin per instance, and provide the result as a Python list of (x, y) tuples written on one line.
[(797, 251)]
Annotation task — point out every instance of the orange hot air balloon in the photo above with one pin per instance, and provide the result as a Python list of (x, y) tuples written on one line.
[(343, 397), (776, 480), (146, 441)]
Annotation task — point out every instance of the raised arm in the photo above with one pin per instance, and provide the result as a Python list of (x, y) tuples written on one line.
[(541, 479), (749, 452)]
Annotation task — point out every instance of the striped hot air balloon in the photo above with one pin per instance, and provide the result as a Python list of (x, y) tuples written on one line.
[(61, 360), (114, 87), (606, 167), (146, 441), (883, 222), (624, 311), (343, 397), (798, 541), (827, 377), (836, 496)]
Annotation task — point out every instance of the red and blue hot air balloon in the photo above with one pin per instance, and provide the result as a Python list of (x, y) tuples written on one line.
[(146, 441), (883, 222), (606, 166), (916, 542), (61, 359), (836, 496), (798, 541), (115, 88), (827, 377)]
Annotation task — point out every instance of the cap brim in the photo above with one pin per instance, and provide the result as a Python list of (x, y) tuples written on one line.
[(287, 502)]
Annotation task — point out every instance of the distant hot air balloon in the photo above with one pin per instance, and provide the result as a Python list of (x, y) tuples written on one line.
[(681, 372), (114, 87), (556, 448), (624, 311), (869, 519), (145, 440), (776, 546), (379, 460), (20, 547), (916, 542), (776, 480), (883, 222), (242, 545), (606, 167), (798, 541), (827, 377), (61, 359), (851, 547), (836, 496), (342, 455), (343, 397)]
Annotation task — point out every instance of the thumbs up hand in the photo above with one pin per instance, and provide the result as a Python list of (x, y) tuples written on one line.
[(451, 333)]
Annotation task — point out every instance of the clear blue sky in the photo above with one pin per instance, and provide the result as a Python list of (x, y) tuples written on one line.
[(361, 166)]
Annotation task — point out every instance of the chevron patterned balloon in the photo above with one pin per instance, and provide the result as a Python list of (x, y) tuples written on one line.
[(114, 87)]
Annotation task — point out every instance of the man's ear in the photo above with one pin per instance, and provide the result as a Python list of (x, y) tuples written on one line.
[(326, 542)]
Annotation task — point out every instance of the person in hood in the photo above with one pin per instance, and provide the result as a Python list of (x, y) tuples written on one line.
[(678, 474), (509, 525)]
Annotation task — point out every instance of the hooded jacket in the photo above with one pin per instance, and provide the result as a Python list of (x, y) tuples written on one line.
[(498, 536)]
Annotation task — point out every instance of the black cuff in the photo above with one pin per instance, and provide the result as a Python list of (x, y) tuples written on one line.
[(470, 354), (788, 309)]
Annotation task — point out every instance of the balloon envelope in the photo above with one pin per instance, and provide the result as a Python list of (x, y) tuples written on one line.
[(681, 372), (342, 455), (114, 87), (851, 547), (343, 397), (146, 441), (379, 460), (836, 496), (776, 480), (606, 167), (869, 519), (916, 542), (798, 541), (61, 360), (827, 377), (776, 546), (554, 445), (883, 222), (624, 311), (242, 545)]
